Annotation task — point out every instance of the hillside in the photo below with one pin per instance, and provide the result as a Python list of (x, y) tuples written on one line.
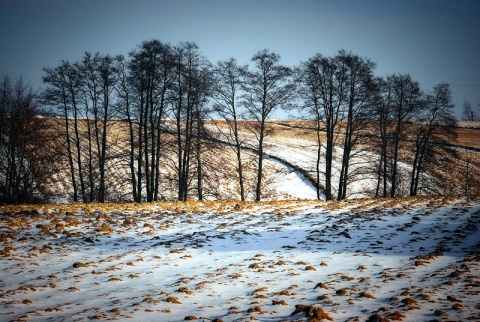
[(411, 259), (220, 181), (291, 152)]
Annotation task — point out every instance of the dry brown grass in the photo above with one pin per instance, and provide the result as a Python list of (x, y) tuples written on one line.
[(468, 137), (220, 158), (468, 132)]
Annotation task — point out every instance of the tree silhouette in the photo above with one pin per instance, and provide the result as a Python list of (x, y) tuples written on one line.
[(267, 87)]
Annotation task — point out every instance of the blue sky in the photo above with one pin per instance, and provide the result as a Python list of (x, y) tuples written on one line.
[(433, 40)]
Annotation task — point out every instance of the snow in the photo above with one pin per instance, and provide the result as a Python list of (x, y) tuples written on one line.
[(292, 185), (412, 257), (303, 153)]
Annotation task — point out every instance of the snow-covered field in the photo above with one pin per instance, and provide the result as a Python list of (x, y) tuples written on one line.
[(412, 259)]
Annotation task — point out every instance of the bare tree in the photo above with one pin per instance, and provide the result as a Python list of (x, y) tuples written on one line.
[(89, 97), (56, 95), (26, 157), (326, 79), (338, 93), (150, 78), (435, 131), (183, 114), (468, 112), (359, 93), (63, 92), (202, 93), (228, 79), (407, 103), (97, 79), (190, 87), (267, 87), (73, 88), (332, 93), (397, 105), (308, 77), (124, 107), (383, 119), (83, 93)]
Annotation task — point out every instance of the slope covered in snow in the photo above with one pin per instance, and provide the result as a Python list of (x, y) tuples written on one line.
[(412, 259)]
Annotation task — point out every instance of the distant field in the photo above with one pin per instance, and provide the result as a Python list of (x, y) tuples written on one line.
[(469, 124), (469, 134)]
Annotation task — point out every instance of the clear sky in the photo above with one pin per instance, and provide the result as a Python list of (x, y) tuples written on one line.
[(432, 40)]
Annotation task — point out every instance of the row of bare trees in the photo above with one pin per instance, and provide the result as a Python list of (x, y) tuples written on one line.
[(158, 82), (416, 128), (82, 95), (338, 93), (390, 116), (160, 89), (161, 96), (253, 94)]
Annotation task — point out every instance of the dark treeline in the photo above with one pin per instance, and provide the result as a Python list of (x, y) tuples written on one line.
[(160, 97)]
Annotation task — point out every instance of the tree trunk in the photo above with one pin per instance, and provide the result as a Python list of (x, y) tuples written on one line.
[(140, 149), (131, 133), (396, 144), (319, 150), (329, 161), (101, 188), (146, 148), (157, 158), (78, 146), (70, 152), (90, 157), (199, 171), (258, 189), (239, 157)]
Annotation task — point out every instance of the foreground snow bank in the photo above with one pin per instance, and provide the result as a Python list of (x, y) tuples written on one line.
[(402, 259)]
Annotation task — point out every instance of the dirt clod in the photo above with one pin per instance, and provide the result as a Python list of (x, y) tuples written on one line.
[(313, 313), (78, 264), (377, 318), (173, 299), (321, 285), (255, 309)]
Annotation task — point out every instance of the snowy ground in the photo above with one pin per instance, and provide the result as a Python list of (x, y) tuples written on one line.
[(413, 259), (302, 152)]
